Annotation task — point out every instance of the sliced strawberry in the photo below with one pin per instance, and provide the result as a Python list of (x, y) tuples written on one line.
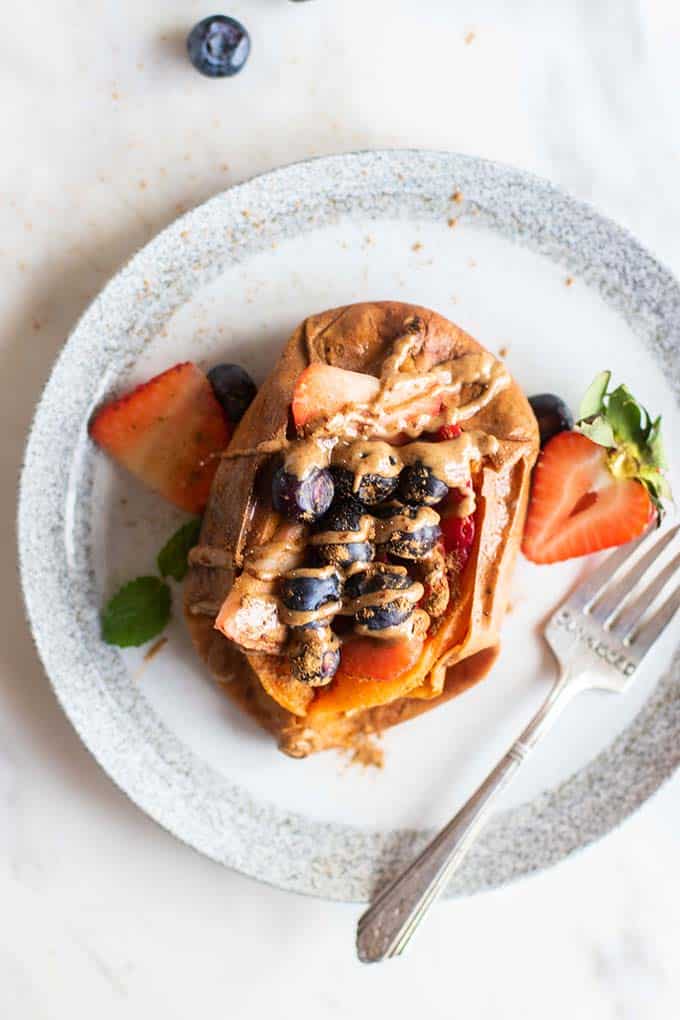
[(168, 432), (378, 660), (458, 534), (449, 432), (577, 504), (323, 391)]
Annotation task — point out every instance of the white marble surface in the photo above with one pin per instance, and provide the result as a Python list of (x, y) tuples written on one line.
[(107, 134)]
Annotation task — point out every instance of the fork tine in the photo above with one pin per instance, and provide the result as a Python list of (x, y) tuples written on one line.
[(614, 594), (626, 621), (599, 578), (643, 640)]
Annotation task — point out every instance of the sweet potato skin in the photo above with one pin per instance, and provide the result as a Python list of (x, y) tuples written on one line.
[(357, 337)]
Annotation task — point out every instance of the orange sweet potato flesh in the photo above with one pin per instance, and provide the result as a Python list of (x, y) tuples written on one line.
[(357, 338), (367, 658)]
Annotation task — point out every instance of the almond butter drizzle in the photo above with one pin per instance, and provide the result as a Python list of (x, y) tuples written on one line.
[(364, 533), (304, 455), (344, 440), (257, 621), (404, 385), (283, 553), (367, 457)]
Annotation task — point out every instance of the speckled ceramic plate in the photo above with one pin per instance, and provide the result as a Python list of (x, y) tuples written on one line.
[(543, 280)]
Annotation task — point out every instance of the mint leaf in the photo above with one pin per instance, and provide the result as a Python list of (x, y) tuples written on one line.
[(593, 401), (173, 558), (136, 613), (599, 431)]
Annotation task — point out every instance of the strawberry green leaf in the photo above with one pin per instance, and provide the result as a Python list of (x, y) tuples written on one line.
[(593, 400), (616, 420), (655, 482), (598, 431), (625, 416), (173, 559), (136, 613), (657, 455)]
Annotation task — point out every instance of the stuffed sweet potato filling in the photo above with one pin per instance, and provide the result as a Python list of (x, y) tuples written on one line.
[(365, 552)]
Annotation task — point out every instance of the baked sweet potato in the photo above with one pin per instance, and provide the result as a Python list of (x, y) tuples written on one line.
[(462, 647)]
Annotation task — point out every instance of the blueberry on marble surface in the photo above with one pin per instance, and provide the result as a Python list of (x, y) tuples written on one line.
[(218, 46)]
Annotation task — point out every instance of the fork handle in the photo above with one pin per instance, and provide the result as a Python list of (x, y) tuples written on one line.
[(388, 924)]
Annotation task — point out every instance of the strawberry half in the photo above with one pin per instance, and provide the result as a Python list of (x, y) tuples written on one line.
[(601, 485), (168, 432), (578, 506)]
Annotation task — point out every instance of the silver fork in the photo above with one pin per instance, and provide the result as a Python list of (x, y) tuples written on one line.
[(599, 636)]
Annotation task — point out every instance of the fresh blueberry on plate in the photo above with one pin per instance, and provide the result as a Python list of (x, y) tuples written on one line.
[(552, 415), (218, 46), (234, 389)]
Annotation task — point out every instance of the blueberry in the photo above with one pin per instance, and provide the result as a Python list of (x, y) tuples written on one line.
[(343, 554), (234, 389), (393, 507), (413, 545), (552, 415), (302, 499), (372, 489), (218, 46), (343, 516), (381, 617), (381, 578), (314, 659), (305, 592), (418, 484), (408, 545)]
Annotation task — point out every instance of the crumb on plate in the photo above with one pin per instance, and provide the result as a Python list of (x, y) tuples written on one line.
[(366, 751), (155, 649)]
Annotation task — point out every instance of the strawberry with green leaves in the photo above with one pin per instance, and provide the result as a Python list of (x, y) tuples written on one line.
[(600, 485)]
